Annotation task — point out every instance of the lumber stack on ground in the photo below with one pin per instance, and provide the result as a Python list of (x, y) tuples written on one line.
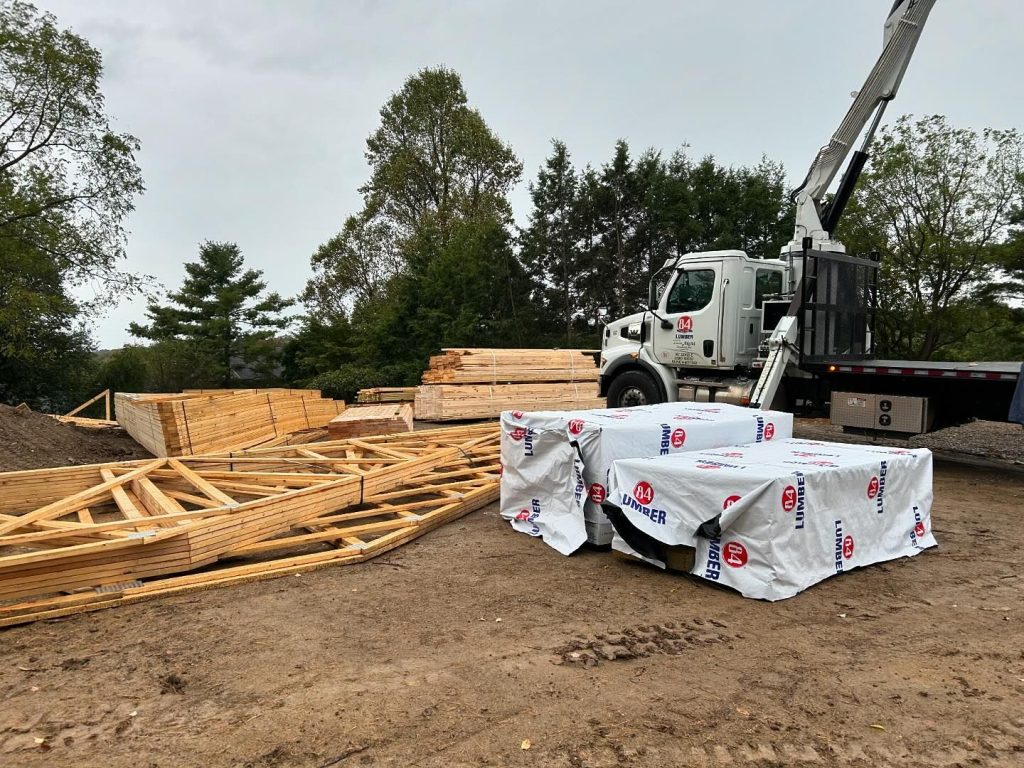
[(443, 402), (375, 395), (364, 420), (481, 383), (510, 366), (271, 511), (203, 421)]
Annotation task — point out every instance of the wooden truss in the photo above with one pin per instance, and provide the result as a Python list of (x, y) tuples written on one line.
[(82, 538)]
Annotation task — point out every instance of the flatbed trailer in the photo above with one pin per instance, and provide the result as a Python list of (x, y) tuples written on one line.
[(958, 391)]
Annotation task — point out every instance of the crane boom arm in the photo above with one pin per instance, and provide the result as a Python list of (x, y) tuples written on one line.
[(901, 32)]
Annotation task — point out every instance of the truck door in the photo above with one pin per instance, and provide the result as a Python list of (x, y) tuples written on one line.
[(689, 333)]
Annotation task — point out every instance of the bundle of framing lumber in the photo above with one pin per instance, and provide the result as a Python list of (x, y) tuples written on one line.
[(481, 383), (364, 420), (443, 402), (374, 395), (203, 421), (509, 366), (76, 539)]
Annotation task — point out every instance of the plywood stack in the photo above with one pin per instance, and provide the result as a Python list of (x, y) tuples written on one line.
[(481, 383), (203, 421), (81, 538), (371, 420), (374, 395)]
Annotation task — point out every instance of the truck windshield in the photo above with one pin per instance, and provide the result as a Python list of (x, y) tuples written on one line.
[(692, 291)]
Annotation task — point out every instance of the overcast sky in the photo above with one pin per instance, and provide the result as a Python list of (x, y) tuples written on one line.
[(253, 115)]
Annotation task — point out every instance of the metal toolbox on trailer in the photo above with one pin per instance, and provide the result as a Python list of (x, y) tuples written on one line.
[(888, 413)]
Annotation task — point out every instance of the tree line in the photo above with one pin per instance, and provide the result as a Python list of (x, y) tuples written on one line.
[(434, 257)]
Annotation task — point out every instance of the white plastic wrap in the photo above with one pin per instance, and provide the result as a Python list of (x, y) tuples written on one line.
[(557, 464), (788, 513)]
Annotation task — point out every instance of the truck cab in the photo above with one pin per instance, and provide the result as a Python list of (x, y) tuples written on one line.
[(701, 333)]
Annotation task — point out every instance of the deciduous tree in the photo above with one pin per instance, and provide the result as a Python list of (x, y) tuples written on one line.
[(936, 203)]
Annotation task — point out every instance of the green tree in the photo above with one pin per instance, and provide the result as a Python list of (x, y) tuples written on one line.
[(432, 157), (634, 213), (551, 242), (464, 287), (936, 202), (222, 311), (67, 181), (428, 261), (1008, 259)]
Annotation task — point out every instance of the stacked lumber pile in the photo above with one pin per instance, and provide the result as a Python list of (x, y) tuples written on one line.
[(507, 366), (374, 395), (81, 538), (204, 421), (371, 420), (481, 383)]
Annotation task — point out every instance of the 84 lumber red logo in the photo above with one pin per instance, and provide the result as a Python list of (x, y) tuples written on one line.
[(794, 497), (643, 492), (597, 493), (788, 498), (575, 426), (684, 324), (844, 546), (734, 554)]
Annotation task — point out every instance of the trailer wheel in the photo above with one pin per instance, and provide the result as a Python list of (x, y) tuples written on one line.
[(632, 388)]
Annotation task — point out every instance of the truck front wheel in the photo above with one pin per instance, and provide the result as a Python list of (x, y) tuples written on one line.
[(632, 388)]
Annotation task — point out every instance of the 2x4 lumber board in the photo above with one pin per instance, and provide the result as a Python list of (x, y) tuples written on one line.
[(155, 500), (330, 534), (105, 393), (201, 484), (126, 505)]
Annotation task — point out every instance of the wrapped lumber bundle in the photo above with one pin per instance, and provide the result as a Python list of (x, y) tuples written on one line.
[(371, 420), (509, 366), (452, 402), (771, 519), (201, 421), (558, 464), (374, 395)]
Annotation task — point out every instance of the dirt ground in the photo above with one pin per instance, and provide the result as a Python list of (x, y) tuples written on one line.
[(456, 650), (30, 440)]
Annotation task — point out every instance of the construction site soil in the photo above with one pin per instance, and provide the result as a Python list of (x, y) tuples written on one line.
[(30, 440), (478, 646)]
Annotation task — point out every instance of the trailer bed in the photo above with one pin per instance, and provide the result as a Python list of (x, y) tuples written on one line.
[(1002, 371)]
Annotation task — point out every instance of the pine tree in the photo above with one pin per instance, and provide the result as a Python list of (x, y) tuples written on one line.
[(551, 241), (220, 310)]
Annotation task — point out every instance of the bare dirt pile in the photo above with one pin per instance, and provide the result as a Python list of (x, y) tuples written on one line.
[(30, 440), (991, 439)]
